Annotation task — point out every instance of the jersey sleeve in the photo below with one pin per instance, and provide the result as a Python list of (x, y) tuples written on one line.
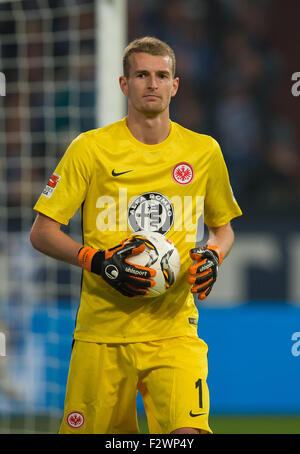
[(67, 187), (220, 205)]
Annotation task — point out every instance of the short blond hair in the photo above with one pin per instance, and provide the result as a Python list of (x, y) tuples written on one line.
[(148, 45)]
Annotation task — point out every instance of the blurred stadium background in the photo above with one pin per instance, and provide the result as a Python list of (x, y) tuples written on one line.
[(235, 59)]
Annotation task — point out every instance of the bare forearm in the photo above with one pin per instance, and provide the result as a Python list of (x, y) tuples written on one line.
[(61, 247), (47, 238), (223, 237)]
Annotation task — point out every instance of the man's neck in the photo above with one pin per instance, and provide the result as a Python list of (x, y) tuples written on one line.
[(149, 130)]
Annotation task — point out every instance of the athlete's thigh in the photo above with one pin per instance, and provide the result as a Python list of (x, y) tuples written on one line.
[(174, 390), (101, 391)]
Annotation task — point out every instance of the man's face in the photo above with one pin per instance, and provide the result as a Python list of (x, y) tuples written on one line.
[(150, 85)]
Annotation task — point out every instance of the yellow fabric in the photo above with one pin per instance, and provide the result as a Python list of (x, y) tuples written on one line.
[(149, 189), (104, 378)]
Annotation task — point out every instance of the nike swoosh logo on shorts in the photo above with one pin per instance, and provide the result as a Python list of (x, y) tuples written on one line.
[(195, 414), (116, 174)]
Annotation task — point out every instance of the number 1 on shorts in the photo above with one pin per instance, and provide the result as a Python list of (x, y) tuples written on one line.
[(198, 384)]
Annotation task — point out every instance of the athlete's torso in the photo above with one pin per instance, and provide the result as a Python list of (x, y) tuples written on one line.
[(122, 185)]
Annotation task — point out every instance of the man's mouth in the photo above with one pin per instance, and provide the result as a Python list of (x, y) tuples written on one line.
[(151, 96)]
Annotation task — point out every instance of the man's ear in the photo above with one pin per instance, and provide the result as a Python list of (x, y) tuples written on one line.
[(123, 85), (175, 86)]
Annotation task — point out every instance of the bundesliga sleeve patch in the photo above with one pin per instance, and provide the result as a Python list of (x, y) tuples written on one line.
[(51, 185)]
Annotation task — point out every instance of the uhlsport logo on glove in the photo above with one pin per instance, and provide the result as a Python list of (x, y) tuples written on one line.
[(136, 272), (111, 271)]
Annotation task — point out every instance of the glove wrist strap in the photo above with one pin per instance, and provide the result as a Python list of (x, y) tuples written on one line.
[(217, 251), (91, 259)]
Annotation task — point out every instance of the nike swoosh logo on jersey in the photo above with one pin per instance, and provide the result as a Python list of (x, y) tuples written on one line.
[(116, 174), (195, 414)]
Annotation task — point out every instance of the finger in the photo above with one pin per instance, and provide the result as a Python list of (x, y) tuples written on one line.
[(199, 268), (193, 268), (130, 248), (196, 256), (130, 290), (203, 295), (196, 251), (134, 291), (202, 287), (138, 249), (128, 293), (201, 278), (127, 249), (208, 265), (110, 252), (140, 282), (199, 254), (125, 292)]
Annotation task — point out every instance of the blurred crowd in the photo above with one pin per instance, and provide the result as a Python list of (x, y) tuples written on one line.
[(47, 53)]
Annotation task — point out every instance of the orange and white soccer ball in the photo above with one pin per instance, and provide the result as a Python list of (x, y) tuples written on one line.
[(161, 254)]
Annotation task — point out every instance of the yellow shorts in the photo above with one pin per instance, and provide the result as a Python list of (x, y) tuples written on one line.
[(104, 379)]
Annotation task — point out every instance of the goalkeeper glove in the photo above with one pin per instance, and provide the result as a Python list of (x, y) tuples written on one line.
[(112, 265), (203, 273)]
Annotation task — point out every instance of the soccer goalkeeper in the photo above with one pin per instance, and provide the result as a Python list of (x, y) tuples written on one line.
[(144, 170)]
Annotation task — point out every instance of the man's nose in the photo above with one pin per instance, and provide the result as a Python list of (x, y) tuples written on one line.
[(152, 82)]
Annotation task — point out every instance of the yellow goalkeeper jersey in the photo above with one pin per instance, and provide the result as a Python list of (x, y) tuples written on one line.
[(122, 185)]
